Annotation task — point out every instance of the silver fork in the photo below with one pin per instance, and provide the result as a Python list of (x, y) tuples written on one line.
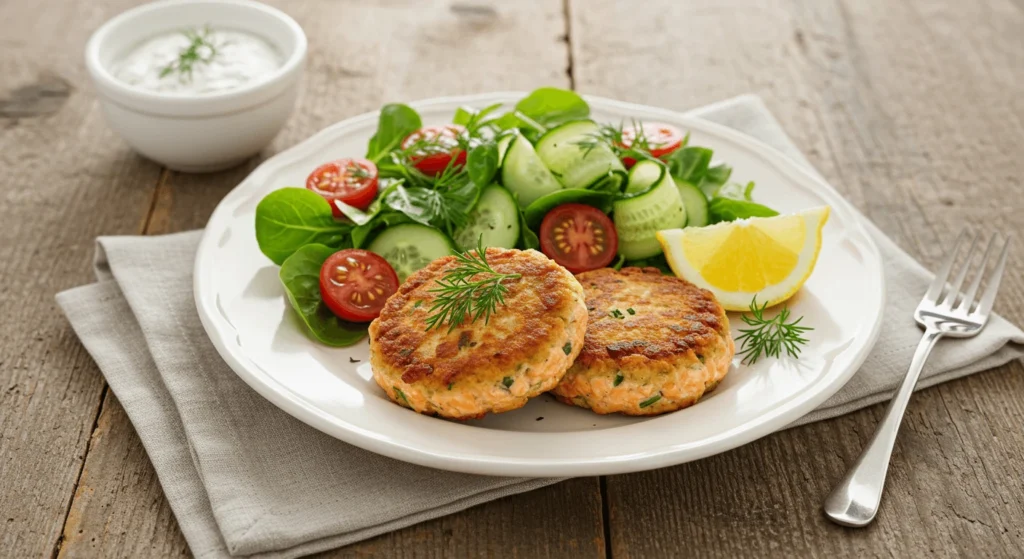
[(944, 311)]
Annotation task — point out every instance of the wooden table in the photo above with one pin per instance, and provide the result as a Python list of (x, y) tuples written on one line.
[(912, 109)]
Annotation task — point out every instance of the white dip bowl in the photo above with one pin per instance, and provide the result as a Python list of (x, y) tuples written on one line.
[(197, 133)]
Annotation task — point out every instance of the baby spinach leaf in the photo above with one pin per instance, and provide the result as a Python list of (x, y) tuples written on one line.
[(736, 191), (527, 238), (507, 121), (734, 201), (300, 275), (290, 218), (689, 164), (419, 204), (550, 106), (482, 163), (395, 123), (728, 209), (714, 179), (473, 119), (362, 217), (463, 115)]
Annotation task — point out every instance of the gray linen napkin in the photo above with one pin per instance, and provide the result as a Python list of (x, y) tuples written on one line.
[(245, 478)]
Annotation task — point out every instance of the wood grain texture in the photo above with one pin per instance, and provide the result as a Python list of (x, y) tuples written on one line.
[(64, 179), (395, 51), (913, 111)]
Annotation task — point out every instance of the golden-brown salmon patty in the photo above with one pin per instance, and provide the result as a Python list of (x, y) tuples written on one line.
[(654, 344), (522, 351)]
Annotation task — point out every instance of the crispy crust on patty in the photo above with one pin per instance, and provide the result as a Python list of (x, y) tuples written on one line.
[(523, 350), (654, 344)]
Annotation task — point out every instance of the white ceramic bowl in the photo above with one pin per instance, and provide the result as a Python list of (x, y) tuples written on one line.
[(197, 133)]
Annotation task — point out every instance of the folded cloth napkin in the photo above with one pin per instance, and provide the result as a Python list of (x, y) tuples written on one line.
[(245, 478)]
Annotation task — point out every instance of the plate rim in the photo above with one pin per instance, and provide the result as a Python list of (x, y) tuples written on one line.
[(766, 423)]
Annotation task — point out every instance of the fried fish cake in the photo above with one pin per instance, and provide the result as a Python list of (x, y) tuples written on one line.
[(654, 344), (477, 368)]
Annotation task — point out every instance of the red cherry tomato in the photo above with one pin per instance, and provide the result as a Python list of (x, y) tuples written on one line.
[(437, 145), (662, 139), (355, 283), (352, 181), (579, 237)]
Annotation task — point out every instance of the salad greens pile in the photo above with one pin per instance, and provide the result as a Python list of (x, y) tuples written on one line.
[(298, 229)]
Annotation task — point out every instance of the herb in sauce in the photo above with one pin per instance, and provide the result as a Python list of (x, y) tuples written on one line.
[(200, 50)]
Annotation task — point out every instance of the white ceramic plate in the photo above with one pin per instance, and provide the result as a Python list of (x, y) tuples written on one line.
[(244, 311)]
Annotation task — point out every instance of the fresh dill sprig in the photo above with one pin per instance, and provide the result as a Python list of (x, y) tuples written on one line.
[(406, 158), (612, 136), (423, 146), (358, 171), (769, 336), (200, 50), (470, 290)]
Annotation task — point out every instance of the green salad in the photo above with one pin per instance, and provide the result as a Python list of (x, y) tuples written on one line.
[(539, 175)]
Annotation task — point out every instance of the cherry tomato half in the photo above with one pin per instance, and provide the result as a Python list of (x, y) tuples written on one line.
[(437, 145), (352, 181), (661, 139), (355, 283), (579, 237)]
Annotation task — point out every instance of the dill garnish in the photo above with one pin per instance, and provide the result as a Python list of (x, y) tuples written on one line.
[(470, 290), (200, 50), (769, 336)]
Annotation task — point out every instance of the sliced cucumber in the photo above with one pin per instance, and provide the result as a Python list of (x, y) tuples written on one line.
[(638, 218), (494, 220), (536, 211), (645, 174), (503, 143), (695, 202), (524, 174), (410, 246), (593, 166)]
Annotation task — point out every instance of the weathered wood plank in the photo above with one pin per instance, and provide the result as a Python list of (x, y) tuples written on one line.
[(557, 521), (393, 51), (912, 110), (64, 179), (107, 484)]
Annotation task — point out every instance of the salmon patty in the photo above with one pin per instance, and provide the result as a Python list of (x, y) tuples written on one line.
[(654, 344), (478, 368)]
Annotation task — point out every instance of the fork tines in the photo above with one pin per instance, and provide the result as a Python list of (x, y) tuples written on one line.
[(946, 294)]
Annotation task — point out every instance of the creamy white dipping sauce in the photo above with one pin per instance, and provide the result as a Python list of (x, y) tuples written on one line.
[(235, 59)]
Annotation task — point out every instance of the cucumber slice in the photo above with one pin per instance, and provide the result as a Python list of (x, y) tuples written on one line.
[(410, 246), (495, 219), (638, 218), (503, 143), (593, 167), (536, 211), (645, 174), (695, 202), (524, 174)]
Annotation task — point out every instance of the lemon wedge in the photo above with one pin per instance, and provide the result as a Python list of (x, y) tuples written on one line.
[(770, 257)]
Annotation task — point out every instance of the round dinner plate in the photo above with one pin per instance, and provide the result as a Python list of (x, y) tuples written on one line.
[(243, 308)]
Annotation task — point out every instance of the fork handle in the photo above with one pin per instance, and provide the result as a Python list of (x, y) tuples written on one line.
[(854, 502)]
